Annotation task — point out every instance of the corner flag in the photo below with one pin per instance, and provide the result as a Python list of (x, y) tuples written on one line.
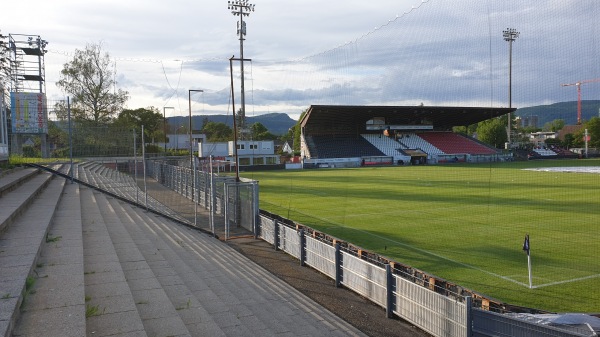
[(526, 248), (526, 244)]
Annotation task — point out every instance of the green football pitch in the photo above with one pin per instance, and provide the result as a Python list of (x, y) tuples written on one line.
[(464, 223)]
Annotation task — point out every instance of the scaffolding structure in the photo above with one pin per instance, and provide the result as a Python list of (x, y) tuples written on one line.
[(22, 72), (27, 68)]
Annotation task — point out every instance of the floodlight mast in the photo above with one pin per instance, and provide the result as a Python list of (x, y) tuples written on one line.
[(510, 35), (241, 8)]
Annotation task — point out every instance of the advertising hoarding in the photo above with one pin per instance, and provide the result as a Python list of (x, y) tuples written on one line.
[(29, 113)]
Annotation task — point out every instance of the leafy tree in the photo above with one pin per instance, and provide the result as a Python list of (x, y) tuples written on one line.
[(593, 127), (493, 132), (260, 132), (465, 130), (554, 126), (205, 121), (60, 139), (569, 140), (150, 118), (529, 129), (217, 132), (89, 79)]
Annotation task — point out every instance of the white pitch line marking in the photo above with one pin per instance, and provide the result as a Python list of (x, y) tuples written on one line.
[(567, 281), (429, 253)]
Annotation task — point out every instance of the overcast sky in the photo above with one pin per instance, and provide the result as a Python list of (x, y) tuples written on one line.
[(383, 52)]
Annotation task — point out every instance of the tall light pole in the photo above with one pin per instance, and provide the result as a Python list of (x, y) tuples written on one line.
[(190, 109), (241, 8), (510, 35), (165, 125)]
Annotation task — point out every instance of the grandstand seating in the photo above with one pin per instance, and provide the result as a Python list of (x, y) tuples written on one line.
[(344, 146), (431, 143), (413, 141), (453, 143), (387, 145), (544, 152)]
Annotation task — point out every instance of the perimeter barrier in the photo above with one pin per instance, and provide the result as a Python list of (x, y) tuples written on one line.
[(427, 302)]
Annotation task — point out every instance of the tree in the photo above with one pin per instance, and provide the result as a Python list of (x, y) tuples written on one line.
[(260, 132), (492, 131), (554, 126), (569, 141), (593, 127), (150, 118), (88, 78), (465, 130), (217, 132)]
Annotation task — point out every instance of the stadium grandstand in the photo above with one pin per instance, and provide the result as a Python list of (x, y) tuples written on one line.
[(351, 136)]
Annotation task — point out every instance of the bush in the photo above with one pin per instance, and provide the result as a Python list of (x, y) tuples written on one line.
[(151, 148), (31, 152)]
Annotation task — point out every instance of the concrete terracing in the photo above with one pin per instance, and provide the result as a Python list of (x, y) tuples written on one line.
[(76, 262)]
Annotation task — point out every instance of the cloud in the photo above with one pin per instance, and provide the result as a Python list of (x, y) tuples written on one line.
[(315, 52)]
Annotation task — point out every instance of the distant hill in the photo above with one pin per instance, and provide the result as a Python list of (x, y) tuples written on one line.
[(566, 111), (277, 123)]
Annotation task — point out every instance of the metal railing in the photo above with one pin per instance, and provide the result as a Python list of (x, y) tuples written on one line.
[(438, 312)]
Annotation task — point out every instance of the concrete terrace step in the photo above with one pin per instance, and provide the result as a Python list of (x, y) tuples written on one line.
[(21, 242), (158, 313), (295, 311), (171, 271), (110, 308), (12, 180), (242, 298), (13, 204), (56, 304)]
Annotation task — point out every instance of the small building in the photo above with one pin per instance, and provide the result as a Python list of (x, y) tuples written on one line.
[(181, 141), (249, 152)]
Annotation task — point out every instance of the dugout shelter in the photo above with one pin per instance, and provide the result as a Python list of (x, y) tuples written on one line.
[(350, 136)]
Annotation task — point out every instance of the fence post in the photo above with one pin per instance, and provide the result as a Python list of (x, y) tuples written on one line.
[(389, 285), (302, 247), (256, 210), (338, 265), (276, 234), (469, 315)]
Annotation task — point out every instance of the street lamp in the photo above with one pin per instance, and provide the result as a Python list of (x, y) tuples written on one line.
[(165, 125), (190, 110), (241, 8), (510, 35)]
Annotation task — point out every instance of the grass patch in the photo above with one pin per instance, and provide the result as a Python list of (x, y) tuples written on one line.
[(29, 283), (50, 239), (464, 223), (186, 306), (6, 296), (92, 310), (18, 160)]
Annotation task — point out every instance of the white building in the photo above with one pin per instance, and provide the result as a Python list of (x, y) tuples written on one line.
[(181, 141), (249, 152)]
